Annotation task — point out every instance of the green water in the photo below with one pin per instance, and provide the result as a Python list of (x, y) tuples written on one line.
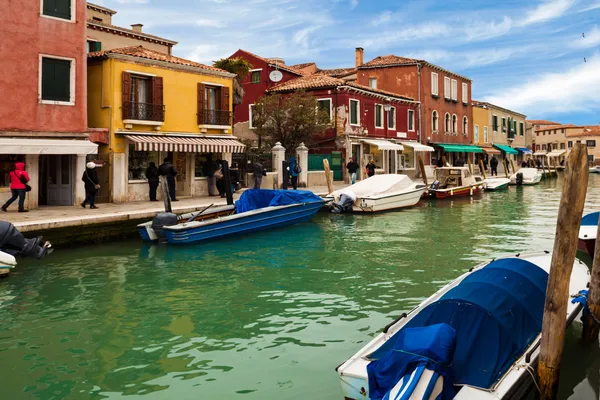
[(268, 316)]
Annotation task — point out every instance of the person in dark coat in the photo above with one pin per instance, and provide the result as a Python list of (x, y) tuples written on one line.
[(168, 170), (371, 168), (294, 172), (208, 170), (90, 180), (258, 171), (524, 164), (219, 178), (494, 166), (234, 177), (152, 176), (352, 168), (460, 162), (440, 163)]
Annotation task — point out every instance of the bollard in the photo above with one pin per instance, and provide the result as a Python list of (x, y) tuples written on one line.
[(422, 166), (328, 176), (506, 168), (227, 180), (563, 257), (482, 169), (286, 175)]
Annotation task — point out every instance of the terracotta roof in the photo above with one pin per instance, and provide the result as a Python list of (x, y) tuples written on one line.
[(102, 26), (142, 52), (303, 65), (338, 72), (280, 66), (101, 9), (485, 104), (542, 122), (393, 60), (592, 130)]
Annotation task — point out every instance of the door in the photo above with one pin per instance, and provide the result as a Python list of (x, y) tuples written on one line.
[(336, 165), (180, 163), (59, 178)]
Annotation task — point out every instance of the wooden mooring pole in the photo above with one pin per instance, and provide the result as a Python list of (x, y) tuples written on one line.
[(563, 257), (328, 176), (164, 185), (512, 164), (506, 168), (470, 166), (423, 172), (591, 329), (482, 169)]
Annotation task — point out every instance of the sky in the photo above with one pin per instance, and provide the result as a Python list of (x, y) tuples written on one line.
[(537, 57)]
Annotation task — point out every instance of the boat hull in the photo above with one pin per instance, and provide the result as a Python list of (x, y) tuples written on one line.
[(458, 192), (391, 202)]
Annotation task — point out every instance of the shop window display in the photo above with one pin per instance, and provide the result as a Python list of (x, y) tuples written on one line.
[(139, 161)]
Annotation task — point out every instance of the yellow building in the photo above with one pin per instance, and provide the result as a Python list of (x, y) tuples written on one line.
[(154, 106)]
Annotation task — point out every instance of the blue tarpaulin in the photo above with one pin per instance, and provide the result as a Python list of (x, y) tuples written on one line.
[(496, 311), (590, 219), (253, 199)]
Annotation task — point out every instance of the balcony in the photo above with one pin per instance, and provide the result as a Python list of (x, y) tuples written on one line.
[(217, 119), (143, 114)]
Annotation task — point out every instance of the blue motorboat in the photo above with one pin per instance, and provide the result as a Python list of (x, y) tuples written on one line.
[(257, 209)]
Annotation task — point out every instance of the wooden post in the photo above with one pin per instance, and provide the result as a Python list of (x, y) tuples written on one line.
[(227, 182), (422, 166), (591, 330), (286, 175), (506, 168), (470, 165), (328, 176), (563, 257), (512, 164), (164, 185), (482, 168)]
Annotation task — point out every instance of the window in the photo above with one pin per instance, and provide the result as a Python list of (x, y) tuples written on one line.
[(521, 129), (485, 134), (139, 161), (465, 126), (495, 123), (465, 93), (434, 84), (411, 120), (392, 118), (251, 116), (554, 146), (255, 76), (447, 123), (434, 121), (7, 164), (325, 105), (93, 46), (476, 134), (57, 81), (97, 19), (454, 124), (562, 146), (447, 88), (537, 147), (61, 9), (570, 144), (378, 116), (543, 147), (454, 90), (373, 83), (591, 159), (590, 143), (201, 159), (503, 125), (354, 112)]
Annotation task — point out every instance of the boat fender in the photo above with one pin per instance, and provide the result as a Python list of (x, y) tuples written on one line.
[(471, 191), (388, 326)]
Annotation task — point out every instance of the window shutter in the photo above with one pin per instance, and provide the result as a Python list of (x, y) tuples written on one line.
[(225, 98), (157, 90), (126, 89), (201, 116)]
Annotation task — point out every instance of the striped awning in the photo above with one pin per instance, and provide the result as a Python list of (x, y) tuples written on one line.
[(185, 144)]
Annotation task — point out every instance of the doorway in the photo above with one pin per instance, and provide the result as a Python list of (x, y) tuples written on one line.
[(180, 163), (56, 180)]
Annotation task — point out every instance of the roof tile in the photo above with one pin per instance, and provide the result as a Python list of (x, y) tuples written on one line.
[(280, 66), (542, 122), (393, 60)]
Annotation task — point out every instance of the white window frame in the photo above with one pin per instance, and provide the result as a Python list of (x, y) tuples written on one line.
[(435, 84), (73, 91), (435, 129), (448, 127), (447, 88), (330, 106), (382, 114), (251, 72), (370, 81), (392, 112), (465, 126), (465, 93), (485, 134), (410, 118), (250, 119), (475, 133), (357, 112), (454, 90), (73, 13)]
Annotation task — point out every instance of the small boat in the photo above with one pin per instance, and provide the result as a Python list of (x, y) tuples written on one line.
[(476, 338), (257, 209), (377, 193), (595, 170), (454, 182), (526, 176), (496, 183), (587, 233), (7, 263), (13, 243)]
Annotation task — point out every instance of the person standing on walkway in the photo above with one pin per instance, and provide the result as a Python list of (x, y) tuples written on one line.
[(90, 181), (208, 170), (352, 168), (168, 170), (18, 186), (294, 172), (258, 171), (152, 176), (234, 177), (371, 168), (494, 166)]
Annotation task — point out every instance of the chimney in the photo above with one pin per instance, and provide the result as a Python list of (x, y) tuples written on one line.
[(137, 27), (360, 56)]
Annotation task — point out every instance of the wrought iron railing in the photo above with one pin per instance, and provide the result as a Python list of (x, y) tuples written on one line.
[(214, 117), (143, 111)]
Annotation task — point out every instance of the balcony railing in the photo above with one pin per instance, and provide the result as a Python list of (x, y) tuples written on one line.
[(144, 111), (214, 117)]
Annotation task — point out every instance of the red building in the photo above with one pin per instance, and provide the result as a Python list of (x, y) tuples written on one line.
[(43, 120)]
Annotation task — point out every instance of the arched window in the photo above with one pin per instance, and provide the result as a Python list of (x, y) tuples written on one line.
[(447, 123), (465, 125), (434, 121), (454, 123)]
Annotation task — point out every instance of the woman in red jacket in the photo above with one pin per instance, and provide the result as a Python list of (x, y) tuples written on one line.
[(18, 179)]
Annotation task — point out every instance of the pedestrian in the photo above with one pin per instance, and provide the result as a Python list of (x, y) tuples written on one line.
[(234, 177), (258, 171), (18, 187), (371, 168), (494, 165), (220, 182), (352, 168), (294, 172), (440, 163), (90, 181), (562, 162), (524, 164), (168, 170), (460, 162), (152, 176), (208, 169)]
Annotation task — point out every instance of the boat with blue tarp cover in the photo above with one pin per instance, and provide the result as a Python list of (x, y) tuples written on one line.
[(257, 209), (477, 337)]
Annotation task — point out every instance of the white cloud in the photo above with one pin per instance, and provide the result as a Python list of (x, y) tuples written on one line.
[(382, 18), (210, 23), (353, 4), (482, 30), (302, 37), (546, 11), (133, 1), (591, 39), (591, 7), (572, 90)]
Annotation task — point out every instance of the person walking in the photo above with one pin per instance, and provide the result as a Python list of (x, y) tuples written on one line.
[(220, 182), (371, 168), (168, 170), (494, 165), (352, 168), (294, 172), (234, 177), (18, 187), (258, 171), (152, 176), (208, 170), (90, 181)]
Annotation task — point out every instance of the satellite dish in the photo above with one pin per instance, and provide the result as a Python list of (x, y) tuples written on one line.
[(276, 76)]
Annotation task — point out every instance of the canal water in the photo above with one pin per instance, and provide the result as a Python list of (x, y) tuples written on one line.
[(267, 316)]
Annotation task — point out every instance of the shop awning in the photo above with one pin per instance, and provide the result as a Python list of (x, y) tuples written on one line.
[(540, 153), (418, 146), (506, 149), (556, 153), (184, 144), (47, 146), (491, 150), (383, 144), (524, 150), (460, 148)]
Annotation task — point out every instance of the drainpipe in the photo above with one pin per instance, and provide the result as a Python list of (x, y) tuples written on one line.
[(110, 127), (419, 98)]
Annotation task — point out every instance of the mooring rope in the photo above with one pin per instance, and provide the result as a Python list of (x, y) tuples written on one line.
[(582, 297)]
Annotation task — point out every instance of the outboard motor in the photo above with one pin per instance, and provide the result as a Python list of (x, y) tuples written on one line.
[(161, 220), (519, 179), (435, 185), (14, 243)]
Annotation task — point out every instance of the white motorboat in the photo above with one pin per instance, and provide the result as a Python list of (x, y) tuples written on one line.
[(476, 338), (451, 182), (496, 183), (595, 170), (526, 176), (380, 193), (7, 262)]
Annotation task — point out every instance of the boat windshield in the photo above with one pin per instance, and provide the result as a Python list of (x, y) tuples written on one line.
[(449, 178)]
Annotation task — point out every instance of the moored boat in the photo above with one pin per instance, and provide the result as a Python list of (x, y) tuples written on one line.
[(526, 176), (587, 233), (595, 170), (454, 182), (476, 338), (378, 193), (496, 183)]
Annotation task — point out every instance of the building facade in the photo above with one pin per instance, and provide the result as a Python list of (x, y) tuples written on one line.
[(588, 135), (157, 106), (551, 143), (43, 64)]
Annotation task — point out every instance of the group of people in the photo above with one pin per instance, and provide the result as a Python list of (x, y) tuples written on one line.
[(353, 168)]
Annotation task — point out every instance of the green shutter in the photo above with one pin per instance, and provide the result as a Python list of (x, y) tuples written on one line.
[(353, 112), (56, 80), (57, 8)]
